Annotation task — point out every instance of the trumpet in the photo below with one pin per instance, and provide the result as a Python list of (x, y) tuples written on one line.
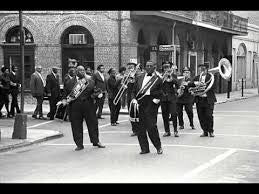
[(129, 78)]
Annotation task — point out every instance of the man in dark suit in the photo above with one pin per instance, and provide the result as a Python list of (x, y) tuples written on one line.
[(147, 91), (82, 108), (186, 100), (14, 90), (53, 88), (168, 99), (205, 102), (100, 82), (113, 86), (37, 86), (5, 90)]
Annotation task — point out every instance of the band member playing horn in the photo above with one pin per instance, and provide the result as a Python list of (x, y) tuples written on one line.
[(168, 99), (205, 102), (147, 91), (81, 107), (185, 99), (113, 86)]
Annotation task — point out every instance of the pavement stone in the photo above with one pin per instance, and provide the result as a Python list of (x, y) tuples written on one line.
[(38, 135)]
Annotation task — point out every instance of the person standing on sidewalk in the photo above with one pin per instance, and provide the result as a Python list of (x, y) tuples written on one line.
[(168, 99), (100, 83), (37, 86), (14, 90), (205, 103), (53, 88), (185, 100)]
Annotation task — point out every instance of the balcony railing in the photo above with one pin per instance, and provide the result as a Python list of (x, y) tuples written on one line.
[(222, 19)]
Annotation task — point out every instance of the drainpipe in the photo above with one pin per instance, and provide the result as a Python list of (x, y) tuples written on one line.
[(119, 34), (174, 52)]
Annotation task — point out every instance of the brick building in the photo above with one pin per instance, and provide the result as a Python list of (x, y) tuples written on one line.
[(112, 38)]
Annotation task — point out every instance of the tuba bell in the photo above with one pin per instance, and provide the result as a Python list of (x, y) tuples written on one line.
[(224, 69)]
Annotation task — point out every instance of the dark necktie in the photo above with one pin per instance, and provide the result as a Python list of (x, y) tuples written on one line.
[(149, 74)]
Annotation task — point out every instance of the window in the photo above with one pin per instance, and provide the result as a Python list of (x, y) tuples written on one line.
[(77, 39)]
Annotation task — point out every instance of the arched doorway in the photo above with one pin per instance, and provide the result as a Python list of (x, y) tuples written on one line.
[(77, 45), (143, 53), (241, 62), (11, 49)]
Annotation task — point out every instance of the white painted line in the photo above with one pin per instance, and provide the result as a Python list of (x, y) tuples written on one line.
[(206, 165), (39, 124), (163, 145), (220, 115), (237, 111)]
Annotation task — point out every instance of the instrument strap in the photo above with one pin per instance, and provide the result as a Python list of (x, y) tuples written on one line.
[(147, 86)]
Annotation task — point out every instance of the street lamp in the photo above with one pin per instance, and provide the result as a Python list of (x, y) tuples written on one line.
[(20, 123)]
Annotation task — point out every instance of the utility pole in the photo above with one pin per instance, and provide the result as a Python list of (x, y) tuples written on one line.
[(20, 123)]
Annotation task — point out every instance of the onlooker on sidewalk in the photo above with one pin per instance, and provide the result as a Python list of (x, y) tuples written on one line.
[(100, 83), (53, 88), (37, 85), (5, 90), (14, 90)]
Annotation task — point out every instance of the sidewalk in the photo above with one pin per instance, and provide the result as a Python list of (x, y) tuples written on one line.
[(38, 135)]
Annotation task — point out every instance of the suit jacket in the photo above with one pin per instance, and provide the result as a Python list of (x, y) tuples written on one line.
[(169, 90), (52, 85), (99, 82), (113, 87), (14, 79), (5, 82), (186, 97), (36, 85), (155, 90), (210, 94)]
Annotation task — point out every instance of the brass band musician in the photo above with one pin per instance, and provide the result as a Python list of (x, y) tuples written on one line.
[(185, 99), (205, 102), (168, 98)]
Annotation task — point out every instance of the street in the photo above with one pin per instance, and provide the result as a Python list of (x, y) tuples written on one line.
[(230, 157)]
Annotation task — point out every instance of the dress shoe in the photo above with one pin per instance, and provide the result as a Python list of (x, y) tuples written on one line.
[(159, 151), (117, 123), (176, 134), (79, 148), (211, 134), (42, 118), (34, 116), (204, 135), (113, 124), (166, 134), (51, 118), (192, 127), (133, 134), (144, 152), (99, 145), (181, 127)]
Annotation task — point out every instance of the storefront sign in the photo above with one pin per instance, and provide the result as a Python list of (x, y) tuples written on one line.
[(166, 47)]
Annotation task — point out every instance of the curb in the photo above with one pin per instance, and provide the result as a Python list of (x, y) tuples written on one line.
[(26, 143)]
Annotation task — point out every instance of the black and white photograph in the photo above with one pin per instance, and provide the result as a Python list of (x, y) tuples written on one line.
[(129, 96)]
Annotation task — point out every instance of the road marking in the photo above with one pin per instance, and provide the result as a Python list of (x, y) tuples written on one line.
[(39, 124), (163, 145), (241, 111), (206, 165), (236, 115)]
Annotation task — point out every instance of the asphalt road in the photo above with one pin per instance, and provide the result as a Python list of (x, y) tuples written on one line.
[(230, 157)]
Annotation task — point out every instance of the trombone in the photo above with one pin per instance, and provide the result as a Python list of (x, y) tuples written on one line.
[(124, 84)]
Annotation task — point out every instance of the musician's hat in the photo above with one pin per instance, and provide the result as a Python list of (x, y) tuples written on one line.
[(132, 62), (205, 64), (186, 69)]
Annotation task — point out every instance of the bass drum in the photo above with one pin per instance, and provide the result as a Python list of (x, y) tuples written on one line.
[(134, 111)]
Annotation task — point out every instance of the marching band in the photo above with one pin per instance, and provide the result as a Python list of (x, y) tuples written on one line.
[(146, 91)]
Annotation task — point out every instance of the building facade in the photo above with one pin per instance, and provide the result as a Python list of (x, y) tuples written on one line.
[(112, 38)]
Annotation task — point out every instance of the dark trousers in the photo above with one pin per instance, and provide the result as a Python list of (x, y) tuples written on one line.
[(114, 110), (148, 124), (169, 108), (205, 114), (53, 107), (99, 105), (189, 111), (4, 100), (78, 112), (38, 109), (14, 104), (134, 125)]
